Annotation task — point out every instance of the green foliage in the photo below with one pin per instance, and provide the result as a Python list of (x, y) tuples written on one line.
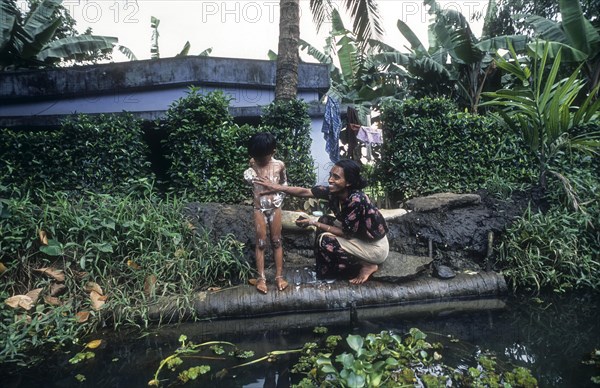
[(543, 108), (103, 153), (136, 249), (289, 122), (43, 327), (432, 147), (190, 350), (37, 38), (558, 249), (391, 360), (207, 151)]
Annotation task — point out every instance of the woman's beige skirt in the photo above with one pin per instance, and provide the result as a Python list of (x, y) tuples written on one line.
[(374, 252)]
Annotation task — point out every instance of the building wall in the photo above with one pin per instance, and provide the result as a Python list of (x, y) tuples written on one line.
[(41, 98)]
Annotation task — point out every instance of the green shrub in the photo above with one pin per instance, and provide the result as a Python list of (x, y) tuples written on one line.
[(431, 147), (207, 151), (30, 159), (290, 123), (103, 153), (550, 250), (558, 249), (137, 249)]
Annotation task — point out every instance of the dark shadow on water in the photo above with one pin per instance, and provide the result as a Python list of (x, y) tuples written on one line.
[(551, 336)]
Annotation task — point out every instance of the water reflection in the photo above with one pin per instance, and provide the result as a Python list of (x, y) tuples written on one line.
[(550, 336)]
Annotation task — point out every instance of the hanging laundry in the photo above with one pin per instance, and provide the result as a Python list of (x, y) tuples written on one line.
[(332, 125), (370, 136), (351, 131)]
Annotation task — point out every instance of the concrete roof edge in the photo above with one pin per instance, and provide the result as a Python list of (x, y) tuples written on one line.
[(156, 73)]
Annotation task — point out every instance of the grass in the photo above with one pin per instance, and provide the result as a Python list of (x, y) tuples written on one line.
[(115, 257)]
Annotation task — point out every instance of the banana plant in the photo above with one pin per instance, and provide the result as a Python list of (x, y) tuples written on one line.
[(361, 74), (574, 36), (543, 108), (30, 41), (155, 50), (470, 59)]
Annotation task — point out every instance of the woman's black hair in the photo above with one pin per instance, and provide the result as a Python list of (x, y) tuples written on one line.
[(352, 174), (261, 144)]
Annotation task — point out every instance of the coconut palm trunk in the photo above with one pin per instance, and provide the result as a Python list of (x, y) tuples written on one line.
[(286, 83)]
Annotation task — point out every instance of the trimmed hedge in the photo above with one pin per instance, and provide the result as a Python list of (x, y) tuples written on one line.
[(206, 150), (102, 153), (290, 123), (431, 147)]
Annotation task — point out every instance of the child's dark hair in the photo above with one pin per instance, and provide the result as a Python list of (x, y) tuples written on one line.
[(261, 144), (352, 174)]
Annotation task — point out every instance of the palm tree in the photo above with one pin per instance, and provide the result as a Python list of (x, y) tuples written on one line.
[(30, 40), (366, 22)]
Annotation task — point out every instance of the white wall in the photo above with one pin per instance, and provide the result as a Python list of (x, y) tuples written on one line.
[(322, 163)]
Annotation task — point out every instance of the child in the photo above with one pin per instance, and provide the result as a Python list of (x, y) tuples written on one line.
[(267, 208)]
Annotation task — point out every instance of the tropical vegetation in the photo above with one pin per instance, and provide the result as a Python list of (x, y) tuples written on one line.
[(385, 359), (38, 37), (93, 229)]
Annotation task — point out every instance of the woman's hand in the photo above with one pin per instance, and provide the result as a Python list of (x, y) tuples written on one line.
[(267, 184)]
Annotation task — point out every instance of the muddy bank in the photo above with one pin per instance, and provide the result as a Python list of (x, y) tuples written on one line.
[(455, 232)]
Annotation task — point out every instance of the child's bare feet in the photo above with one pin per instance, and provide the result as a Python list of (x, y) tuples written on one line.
[(281, 283), (366, 271), (261, 285)]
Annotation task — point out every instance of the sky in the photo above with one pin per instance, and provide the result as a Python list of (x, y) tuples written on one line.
[(232, 28)]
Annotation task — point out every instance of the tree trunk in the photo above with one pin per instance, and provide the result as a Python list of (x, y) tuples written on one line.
[(286, 83)]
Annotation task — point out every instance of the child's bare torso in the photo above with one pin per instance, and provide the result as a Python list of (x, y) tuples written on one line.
[(275, 172)]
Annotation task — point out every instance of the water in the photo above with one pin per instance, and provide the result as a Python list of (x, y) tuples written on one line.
[(550, 336)]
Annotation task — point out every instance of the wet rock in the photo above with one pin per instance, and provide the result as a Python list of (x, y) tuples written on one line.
[(443, 272), (399, 267), (442, 201)]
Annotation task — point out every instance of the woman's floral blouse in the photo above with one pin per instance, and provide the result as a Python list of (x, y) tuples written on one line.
[(359, 217)]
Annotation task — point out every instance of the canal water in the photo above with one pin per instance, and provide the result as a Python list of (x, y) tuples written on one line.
[(551, 335)]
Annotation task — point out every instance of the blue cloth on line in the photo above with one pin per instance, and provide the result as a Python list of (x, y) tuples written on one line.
[(332, 125)]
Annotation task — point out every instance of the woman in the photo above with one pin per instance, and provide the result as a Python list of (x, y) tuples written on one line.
[(356, 236)]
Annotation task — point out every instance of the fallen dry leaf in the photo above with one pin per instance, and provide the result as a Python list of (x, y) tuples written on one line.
[(150, 285), (97, 303), (93, 344), (34, 294), (2, 268), (133, 264), (56, 274), (25, 317), (52, 300), (57, 289), (82, 316), (92, 286), (22, 301), (43, 237)]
